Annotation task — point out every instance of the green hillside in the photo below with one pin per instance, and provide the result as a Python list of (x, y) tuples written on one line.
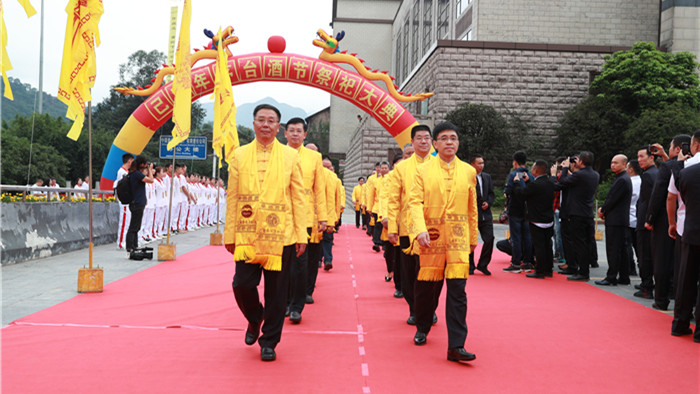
[(25, 101)]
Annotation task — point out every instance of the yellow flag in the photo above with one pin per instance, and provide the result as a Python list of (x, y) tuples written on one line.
[(5, 64), (225, 131), (79, 67), (182, 85)]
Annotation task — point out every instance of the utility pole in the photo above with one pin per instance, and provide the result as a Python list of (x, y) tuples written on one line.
[(41, 61)]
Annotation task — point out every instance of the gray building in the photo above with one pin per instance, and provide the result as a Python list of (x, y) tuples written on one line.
[(534, 57)]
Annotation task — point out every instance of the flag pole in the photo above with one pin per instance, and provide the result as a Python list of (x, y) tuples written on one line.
[(166, 251), (90, 171)]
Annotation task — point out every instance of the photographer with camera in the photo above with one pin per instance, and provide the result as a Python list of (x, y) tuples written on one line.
[(140, 173), (656, 221)]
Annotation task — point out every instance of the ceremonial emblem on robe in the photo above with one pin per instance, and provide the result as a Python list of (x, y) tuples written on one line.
[(434, 234), (458, 230), (272, 220), (247, 211)]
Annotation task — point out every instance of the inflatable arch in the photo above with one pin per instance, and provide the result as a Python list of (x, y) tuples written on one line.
[(356, 88)]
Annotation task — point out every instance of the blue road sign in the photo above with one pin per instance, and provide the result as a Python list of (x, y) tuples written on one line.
[(193, 148)]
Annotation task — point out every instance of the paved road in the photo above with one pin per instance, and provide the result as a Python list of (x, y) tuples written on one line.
[(34, 285)]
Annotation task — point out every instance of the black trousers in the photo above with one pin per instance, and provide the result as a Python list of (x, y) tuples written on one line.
[(486, 232), (365, 221), (409, 271), (132, 240), (358, 215), (298, 276), (581, 239), (245, 289), (313, 257), (398, 273), (646, 262), (632, 250), (426, 302), (566, 241), (616, 246), (687, 294), (542, 245), (662, 248), (377, 231)]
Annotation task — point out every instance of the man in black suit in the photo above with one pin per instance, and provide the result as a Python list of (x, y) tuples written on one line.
[(646, 263), (616, 213), (662, 246), (484, 200), (539, 200), (580, 186), (519, 230), (689, 273)]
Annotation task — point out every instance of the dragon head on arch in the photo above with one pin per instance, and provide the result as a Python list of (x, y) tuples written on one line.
[(327, 42)]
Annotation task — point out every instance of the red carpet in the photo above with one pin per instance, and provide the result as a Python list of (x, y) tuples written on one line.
[(175, 328)]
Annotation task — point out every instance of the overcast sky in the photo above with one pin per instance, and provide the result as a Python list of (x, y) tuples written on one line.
[(131, 25)]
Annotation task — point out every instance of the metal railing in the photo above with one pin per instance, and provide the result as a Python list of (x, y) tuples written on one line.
[(48, 193)]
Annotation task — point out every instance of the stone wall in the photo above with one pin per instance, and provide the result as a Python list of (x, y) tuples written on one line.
[(590, 22), (540, 82), (35, 230)]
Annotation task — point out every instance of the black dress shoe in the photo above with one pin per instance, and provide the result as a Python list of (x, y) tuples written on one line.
[(644, 294), (398, 294), (567, 272), (328, 267), (535, 275), (471, 271), (578, 278), (309, 299), (659, 307), (548, 274), (459, 354), (638, 287), (682, 332), (267, 354), (376, 248), (605, 282), (252, 333), (420, 338), (434, 319), (594, 265), (484, 270), (411, 320), (295, 317)]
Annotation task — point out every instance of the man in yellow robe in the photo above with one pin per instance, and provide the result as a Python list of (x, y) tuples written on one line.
[(399, 222), (265, 226), (357, 201), (333, 203), (305, 267), (369, 201), (444, 214), (373, 201)]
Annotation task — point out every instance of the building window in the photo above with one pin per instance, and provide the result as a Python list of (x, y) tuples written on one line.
[(405, 59), (416, 33), (462, 6), (427, 24), (443, 23), (468, 36), (398, 63)]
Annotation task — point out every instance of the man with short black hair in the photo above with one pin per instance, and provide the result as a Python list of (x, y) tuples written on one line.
[(265, 227), (539, 197), (304, 268), (124, 212), (657, 221), (357, 201), (646, 261), (444, 214), (519, 229), (484, 199), (580, 186)]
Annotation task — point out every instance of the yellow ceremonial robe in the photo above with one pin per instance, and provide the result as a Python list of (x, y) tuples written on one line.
[(357, 197), (243, 204), (443, 204), (315, 189), (398, 190), (369, 192)]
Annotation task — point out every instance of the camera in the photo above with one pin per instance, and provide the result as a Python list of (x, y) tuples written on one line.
[(141, 253), (685, 148)]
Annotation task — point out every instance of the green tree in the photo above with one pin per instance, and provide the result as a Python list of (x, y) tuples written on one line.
[(646, 78), (483, 130), (661, 125), (595, 124)]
